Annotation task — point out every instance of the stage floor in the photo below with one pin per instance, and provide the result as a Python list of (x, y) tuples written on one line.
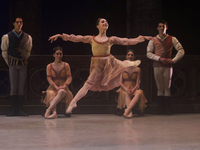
[(101, 132)]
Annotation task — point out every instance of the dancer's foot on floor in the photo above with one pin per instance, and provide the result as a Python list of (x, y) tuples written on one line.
[(53, 116), (47, 113), (128, 113)]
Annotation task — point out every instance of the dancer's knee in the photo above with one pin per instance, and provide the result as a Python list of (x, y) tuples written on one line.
[(62, 92)]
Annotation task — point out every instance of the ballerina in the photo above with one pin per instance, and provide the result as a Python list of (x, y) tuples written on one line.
[(59, 77), (105, 69), (130, 92)]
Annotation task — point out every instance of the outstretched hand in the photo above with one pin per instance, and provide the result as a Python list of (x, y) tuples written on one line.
[(141, 38), (54, 37), (148, 37)]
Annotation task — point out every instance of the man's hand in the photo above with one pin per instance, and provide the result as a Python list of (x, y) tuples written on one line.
[(166, 61)]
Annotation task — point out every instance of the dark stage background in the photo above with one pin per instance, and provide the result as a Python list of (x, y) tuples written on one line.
[(127, 18)]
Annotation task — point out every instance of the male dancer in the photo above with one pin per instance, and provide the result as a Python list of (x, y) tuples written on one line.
[(159, 50), (16, 47)]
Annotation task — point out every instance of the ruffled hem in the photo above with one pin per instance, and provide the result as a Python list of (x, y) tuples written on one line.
[(106, 72), (122, 99), (51, 94)]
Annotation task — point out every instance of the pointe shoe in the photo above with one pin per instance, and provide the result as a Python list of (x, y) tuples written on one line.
[(47, 113), (128, 114), (70, 108), (53, 116)]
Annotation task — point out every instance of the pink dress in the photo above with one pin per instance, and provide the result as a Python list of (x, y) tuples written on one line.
[(59, 79), (106, 71), (129, 80)]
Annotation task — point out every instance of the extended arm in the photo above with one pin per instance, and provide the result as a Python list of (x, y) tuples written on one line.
[(126, 41), (4, 47), (72, 38)]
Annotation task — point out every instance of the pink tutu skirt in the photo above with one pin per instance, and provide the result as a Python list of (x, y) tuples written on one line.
[(106, 72)]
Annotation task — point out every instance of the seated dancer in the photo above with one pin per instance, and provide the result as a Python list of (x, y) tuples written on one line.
[(59, 77), (105, 69), (130, 92)]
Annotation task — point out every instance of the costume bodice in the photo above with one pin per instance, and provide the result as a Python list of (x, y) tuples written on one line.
[(129, 78), (100, 48), (58, 75)]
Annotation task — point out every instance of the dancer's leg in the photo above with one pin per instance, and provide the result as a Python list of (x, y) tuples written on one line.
[(167, 75), (54, 115), (167, 84), (13, 74), (21, 79), (128, 101), (54, 102), (132, 103), (82, 92), (158, 74)]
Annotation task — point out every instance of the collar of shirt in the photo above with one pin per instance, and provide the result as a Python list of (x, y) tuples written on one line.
[(18, 36), (162, 39)]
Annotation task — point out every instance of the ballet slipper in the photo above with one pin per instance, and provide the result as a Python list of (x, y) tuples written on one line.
[(47, 113), (128, 113), (71, 106), (53, 116)]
